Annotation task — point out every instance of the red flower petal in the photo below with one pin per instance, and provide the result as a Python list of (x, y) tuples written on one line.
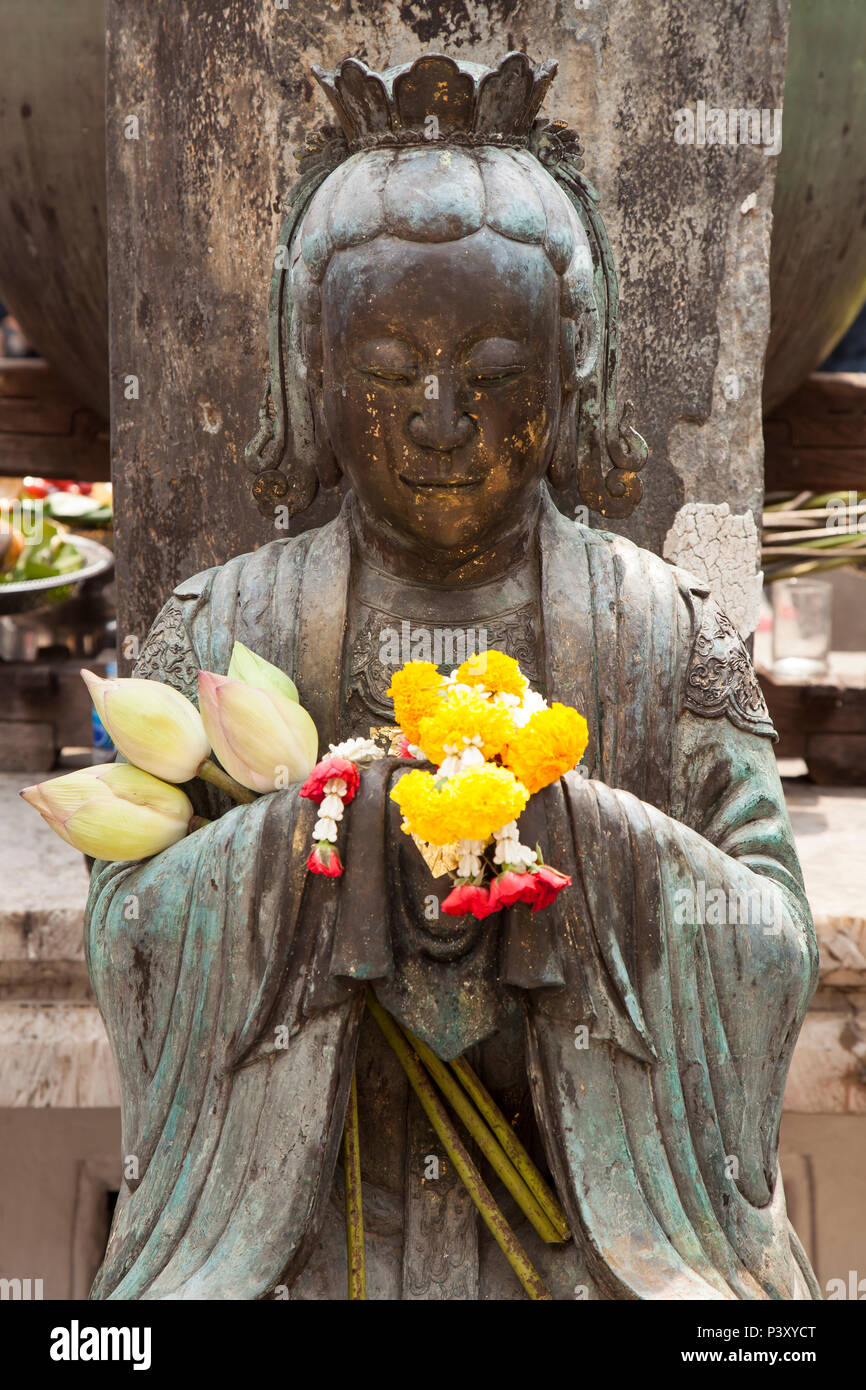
[(469, 897), (324, 859), (512, 887), (549, 883), (331, 766)]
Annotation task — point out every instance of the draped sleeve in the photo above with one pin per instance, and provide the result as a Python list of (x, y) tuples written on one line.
[(690, 960), (234, 1087)]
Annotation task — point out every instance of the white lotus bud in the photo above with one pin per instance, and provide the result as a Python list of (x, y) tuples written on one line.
[(154, 726), (262, 738), (113, 811)]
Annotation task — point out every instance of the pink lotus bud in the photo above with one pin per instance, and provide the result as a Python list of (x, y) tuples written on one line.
[(154, 726), (113, 811), (252, 669), (262, 738)]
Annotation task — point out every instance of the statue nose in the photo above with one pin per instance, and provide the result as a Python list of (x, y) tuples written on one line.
[(441, 425)]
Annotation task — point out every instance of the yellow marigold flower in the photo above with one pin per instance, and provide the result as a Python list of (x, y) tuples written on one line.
[(425, 810), (415, 690), (469, 806), (495, 671), (465, 716), (547, 746), (484, 799)]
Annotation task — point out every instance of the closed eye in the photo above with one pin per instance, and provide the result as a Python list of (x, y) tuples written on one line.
[(492, 376), (405, 377)]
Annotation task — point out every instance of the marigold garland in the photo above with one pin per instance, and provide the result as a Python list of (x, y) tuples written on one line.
[(495, 672), (415, 690), (494, 742), (465, 717), (548, 746), (469, 806)]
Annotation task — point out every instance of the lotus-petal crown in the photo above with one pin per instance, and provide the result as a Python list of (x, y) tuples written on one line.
[(470, 104)]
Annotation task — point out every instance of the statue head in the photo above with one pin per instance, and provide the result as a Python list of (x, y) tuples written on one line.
[(443, 311)]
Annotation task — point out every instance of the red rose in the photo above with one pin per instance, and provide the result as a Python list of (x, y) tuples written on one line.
[(403, 748), (548, 883), (469, 897), (512, 887), (324, 859), (331, 766)]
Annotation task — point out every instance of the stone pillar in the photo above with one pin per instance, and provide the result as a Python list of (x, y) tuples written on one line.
[(206, 103)]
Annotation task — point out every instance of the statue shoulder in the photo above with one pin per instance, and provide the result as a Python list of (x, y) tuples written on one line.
[(169, 651), (199, 585), (720, 680), (641, 571)]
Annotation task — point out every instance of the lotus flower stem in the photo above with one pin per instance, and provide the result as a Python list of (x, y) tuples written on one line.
[(458, 1154), (511, 1144), (213, 773), (354, 1208), (488, 1144)]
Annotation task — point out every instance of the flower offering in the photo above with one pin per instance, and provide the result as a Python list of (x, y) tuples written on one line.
[(493, 742)]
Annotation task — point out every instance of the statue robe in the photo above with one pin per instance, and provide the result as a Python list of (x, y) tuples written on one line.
[(658, 1035)]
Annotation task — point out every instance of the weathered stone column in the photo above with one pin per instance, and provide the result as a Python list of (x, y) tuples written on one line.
[(206, 103)]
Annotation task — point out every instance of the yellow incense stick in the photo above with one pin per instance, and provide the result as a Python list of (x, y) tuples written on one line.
[(457, 1152), (489, 1145), (354, 1208)]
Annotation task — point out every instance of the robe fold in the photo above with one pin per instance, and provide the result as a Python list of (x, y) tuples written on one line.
[(662, 994)]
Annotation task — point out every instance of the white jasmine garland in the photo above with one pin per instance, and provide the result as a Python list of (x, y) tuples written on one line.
[(531, 703), (509, 850), (469, 864), (325, 829), (357, 750)]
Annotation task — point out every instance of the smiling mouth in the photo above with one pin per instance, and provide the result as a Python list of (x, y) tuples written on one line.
[(447, 486)]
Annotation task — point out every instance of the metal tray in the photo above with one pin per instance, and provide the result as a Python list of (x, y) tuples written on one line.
[(37, 593)]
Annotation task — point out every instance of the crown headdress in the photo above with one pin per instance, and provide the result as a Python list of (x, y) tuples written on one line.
[(453, 102), (437, 98)]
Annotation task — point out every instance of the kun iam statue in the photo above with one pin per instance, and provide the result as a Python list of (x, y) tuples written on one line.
[(443, 349)]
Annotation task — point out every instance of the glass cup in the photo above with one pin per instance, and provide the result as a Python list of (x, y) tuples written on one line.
[(802, 612)]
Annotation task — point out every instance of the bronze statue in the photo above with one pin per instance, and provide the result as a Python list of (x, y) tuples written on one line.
[(442, 339)]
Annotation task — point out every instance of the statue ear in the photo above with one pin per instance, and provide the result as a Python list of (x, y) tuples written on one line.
[(288, 453), (578, 357), (586, 343), (580, 330), (562, 469), (327, 467), (325, 462)]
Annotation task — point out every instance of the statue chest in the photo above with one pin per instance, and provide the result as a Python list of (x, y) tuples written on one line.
[(392, 622)]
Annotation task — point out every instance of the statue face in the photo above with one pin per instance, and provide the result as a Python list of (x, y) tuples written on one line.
[(441, 383)]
